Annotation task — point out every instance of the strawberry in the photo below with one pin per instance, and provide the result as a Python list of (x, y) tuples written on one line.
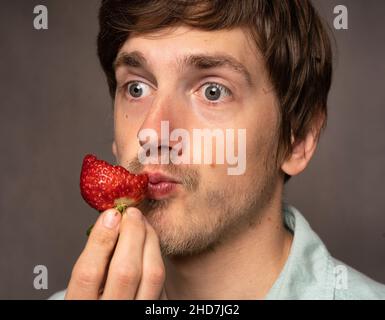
[(105, 186)]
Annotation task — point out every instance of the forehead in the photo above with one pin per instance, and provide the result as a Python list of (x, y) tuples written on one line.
[(170, 45)]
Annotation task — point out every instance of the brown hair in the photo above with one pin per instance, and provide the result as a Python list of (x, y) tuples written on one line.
[(289, 34)]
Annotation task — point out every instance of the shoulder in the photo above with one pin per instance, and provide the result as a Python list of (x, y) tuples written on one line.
[(58, 295), (353, 285), (312, 260)]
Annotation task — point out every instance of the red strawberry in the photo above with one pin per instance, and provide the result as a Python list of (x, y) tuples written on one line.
[(105, 186)]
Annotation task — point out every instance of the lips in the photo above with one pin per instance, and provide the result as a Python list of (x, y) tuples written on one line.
[(160, 186), (157, 177)]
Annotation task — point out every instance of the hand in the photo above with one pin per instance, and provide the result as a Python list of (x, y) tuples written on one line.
[(121, 260)]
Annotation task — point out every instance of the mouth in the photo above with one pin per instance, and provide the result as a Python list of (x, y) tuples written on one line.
[(161, 186)]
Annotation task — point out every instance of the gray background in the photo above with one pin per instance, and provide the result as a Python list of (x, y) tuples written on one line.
[(54, 108)]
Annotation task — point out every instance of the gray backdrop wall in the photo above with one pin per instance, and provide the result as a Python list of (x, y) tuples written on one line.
[(54, 108)]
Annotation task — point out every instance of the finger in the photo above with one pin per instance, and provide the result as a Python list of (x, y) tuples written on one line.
[(126, 264), (89, 270), (153, 270), (163, 295)]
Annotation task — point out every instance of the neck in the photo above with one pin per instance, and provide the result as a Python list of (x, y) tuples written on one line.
[(245, 267)]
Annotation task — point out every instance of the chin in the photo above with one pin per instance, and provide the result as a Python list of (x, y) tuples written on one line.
[(160, 212)]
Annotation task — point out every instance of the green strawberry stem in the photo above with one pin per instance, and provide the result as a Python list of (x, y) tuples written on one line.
[(120, 207), (89, 229)]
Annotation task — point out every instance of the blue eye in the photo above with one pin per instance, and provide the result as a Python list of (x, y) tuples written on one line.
[(215, 91), (137, 89)]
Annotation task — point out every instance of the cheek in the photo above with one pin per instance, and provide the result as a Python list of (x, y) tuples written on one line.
[(262, 135), (261, 154), (215, 178), (214, 174), (125, 135)]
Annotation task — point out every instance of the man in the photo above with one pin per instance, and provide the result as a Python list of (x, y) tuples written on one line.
[(255, 65)]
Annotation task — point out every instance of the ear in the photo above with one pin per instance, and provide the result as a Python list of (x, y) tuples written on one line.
[(302, 152), (114, 149)]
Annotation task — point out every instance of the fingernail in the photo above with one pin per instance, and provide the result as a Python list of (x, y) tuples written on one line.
[(134, 213), (111, 219)]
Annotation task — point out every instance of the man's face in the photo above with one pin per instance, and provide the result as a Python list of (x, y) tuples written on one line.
[(208, 205)]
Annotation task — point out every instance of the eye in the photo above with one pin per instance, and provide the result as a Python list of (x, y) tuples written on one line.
[(137, 89), (215, 91)]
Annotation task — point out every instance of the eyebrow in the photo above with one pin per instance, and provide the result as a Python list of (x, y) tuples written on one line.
[(136, 59)]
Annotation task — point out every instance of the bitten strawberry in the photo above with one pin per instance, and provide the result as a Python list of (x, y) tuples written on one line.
[(104, 186)]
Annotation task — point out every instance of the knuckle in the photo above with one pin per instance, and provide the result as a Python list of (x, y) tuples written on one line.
[(86, 276), (104, 237), (127, 276), (155, 276)]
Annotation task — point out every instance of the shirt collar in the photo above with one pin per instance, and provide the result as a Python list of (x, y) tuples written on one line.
[(309, 270)]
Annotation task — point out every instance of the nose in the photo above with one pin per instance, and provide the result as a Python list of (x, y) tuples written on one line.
[(162, 117)]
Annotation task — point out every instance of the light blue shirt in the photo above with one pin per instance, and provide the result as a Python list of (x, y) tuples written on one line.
[(311, 273)]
